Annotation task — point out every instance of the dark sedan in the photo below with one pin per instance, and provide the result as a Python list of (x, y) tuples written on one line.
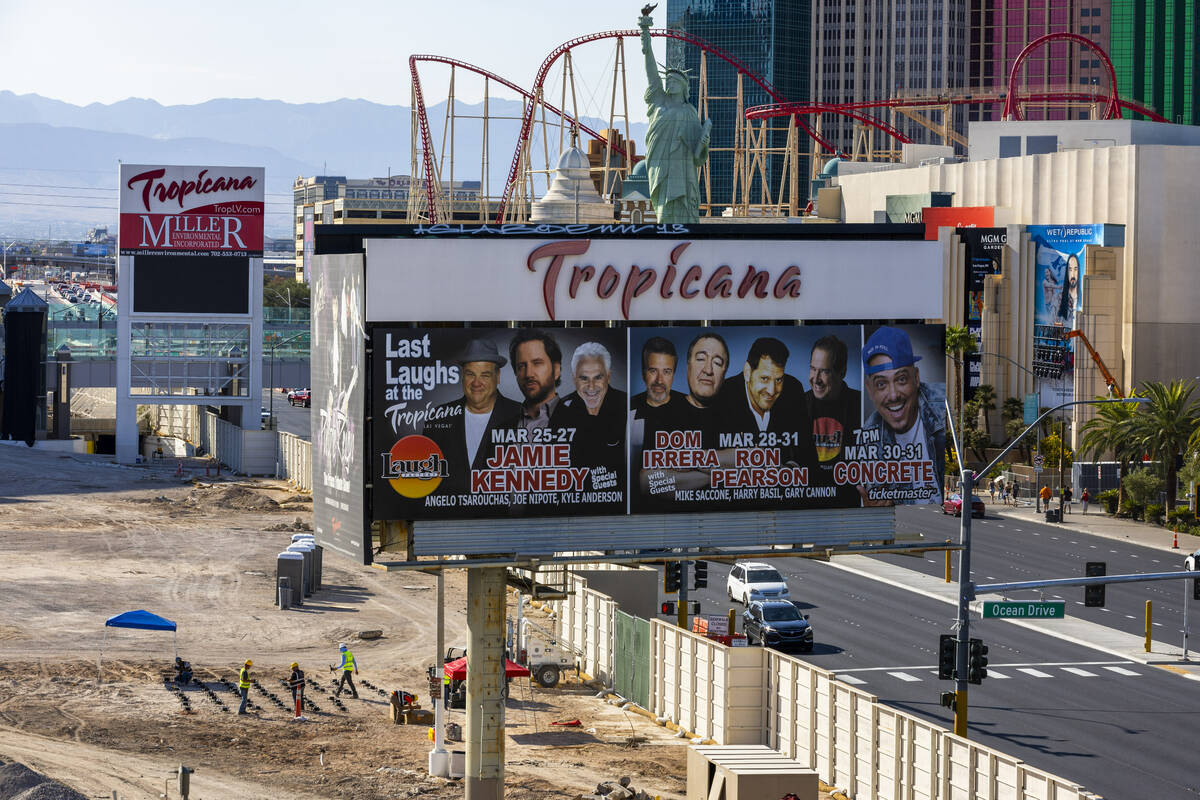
[(777, 624), (953, 505)]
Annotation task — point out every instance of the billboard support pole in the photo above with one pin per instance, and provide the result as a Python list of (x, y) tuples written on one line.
[(484, 779), (439, 760)]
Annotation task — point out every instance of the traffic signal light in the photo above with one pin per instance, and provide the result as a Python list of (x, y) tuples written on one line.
[(947, 655), (672, 576), (1094, 595), (976, 661), (1196, 588), (667, 608), (701, 571)]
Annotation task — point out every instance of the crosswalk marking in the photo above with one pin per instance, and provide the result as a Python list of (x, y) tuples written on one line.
[(850, 679), (1083, 673), (1122, 671), (904, 676), (1037, 673), (998, 675)]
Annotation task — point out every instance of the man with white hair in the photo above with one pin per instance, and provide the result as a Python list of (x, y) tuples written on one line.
[(595, 409)]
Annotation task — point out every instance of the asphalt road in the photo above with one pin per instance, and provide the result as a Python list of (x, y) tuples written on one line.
[(1003, 551), (1120, 728), (288, 418)]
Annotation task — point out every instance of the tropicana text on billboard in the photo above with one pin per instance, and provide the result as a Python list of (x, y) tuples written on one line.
[(191, 210), (668, 278)]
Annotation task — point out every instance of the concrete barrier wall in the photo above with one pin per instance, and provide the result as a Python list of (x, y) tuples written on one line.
[(710, 690), (295, 461), (876, 751), (587, 625), (752, 695)]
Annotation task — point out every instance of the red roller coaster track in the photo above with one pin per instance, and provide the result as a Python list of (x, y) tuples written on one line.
[(527, 122), (1011, 99), (423, 119)]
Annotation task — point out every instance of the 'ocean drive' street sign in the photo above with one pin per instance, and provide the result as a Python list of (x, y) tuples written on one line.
[(1006, 609)]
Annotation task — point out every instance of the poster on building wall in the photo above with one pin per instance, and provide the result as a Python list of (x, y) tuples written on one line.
[(1057, 288), (500, 422), (338, 407), (984, 250), (956, 217), (189, 210)]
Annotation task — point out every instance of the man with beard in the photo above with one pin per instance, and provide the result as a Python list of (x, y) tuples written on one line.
[(463, 428), (597, 413), (707, 359), (908, 414), (658, 373), (537, 363), (835, 408)]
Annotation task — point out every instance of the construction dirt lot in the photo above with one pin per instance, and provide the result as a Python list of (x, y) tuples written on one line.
[(82, 539)]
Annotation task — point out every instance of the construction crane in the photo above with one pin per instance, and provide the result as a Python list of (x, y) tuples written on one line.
[(1113, 387)]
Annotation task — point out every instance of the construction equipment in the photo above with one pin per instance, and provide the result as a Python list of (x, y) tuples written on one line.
[(540, 651), (1113, 386)]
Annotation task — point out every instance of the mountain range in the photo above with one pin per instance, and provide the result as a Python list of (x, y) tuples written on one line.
[(59, 164)]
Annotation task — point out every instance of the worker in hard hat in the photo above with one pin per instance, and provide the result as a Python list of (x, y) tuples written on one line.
[(244, 685), (296, 682), (347, 666)]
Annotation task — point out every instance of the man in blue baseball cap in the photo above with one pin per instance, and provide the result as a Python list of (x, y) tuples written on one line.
[(907, 413)]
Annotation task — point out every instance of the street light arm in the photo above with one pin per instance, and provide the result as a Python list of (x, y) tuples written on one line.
[(1047, 413), (954, 435)]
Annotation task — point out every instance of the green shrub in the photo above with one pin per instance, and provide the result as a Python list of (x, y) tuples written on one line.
[(1154, 513), (1142, 486), (1132, 510), (1183, 517), (1109, 500)]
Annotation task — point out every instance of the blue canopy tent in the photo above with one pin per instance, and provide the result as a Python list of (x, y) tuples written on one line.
[(142, 620)]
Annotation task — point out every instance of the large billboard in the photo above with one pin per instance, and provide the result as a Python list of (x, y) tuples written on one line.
[(522, 422), (1058, 290), (178, 210), (338, 407), (984, 251)]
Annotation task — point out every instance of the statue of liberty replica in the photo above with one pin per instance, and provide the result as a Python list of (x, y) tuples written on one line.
[(676, 140)]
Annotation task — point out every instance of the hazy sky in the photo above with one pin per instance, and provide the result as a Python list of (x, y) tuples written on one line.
[(84, 51)]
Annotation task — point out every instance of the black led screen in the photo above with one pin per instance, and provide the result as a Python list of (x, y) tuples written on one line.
[(190, 285)]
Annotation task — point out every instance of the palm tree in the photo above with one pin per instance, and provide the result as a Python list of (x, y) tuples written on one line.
[(985, 398), (1109, 432), (959, 342), (1013, 408), (1166, 425)]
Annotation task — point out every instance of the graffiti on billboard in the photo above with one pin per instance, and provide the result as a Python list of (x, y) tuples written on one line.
[(499, 422)]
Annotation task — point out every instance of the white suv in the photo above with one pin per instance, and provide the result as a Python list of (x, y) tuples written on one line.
[(754, 580)]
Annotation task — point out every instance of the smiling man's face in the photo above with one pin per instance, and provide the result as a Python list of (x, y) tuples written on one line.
[(894, 393)]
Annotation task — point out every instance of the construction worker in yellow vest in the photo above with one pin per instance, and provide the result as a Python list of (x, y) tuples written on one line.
[(347, 666), (244, 684)]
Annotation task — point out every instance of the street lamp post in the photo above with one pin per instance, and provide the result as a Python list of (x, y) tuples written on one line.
[(966, 587), (271, 391)]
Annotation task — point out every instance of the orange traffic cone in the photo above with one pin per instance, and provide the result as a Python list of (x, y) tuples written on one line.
[(1175, 543)]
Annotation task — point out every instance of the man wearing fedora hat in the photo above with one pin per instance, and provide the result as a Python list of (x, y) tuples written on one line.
[(463, 427), (908, 413)]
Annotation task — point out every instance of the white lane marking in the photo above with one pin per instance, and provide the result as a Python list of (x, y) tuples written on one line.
[(1155, 561), (1122, 671), (904, 676), (850, 679), (1037, 673), (1156, 624), (1018, 530), (993, 674), (1083, 673), (1130, 616)]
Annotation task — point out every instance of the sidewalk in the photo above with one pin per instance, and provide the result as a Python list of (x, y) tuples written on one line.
[(1097, 523), (1088, 634)]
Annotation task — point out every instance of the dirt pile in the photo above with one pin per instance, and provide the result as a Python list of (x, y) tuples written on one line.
[(19, 782)]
